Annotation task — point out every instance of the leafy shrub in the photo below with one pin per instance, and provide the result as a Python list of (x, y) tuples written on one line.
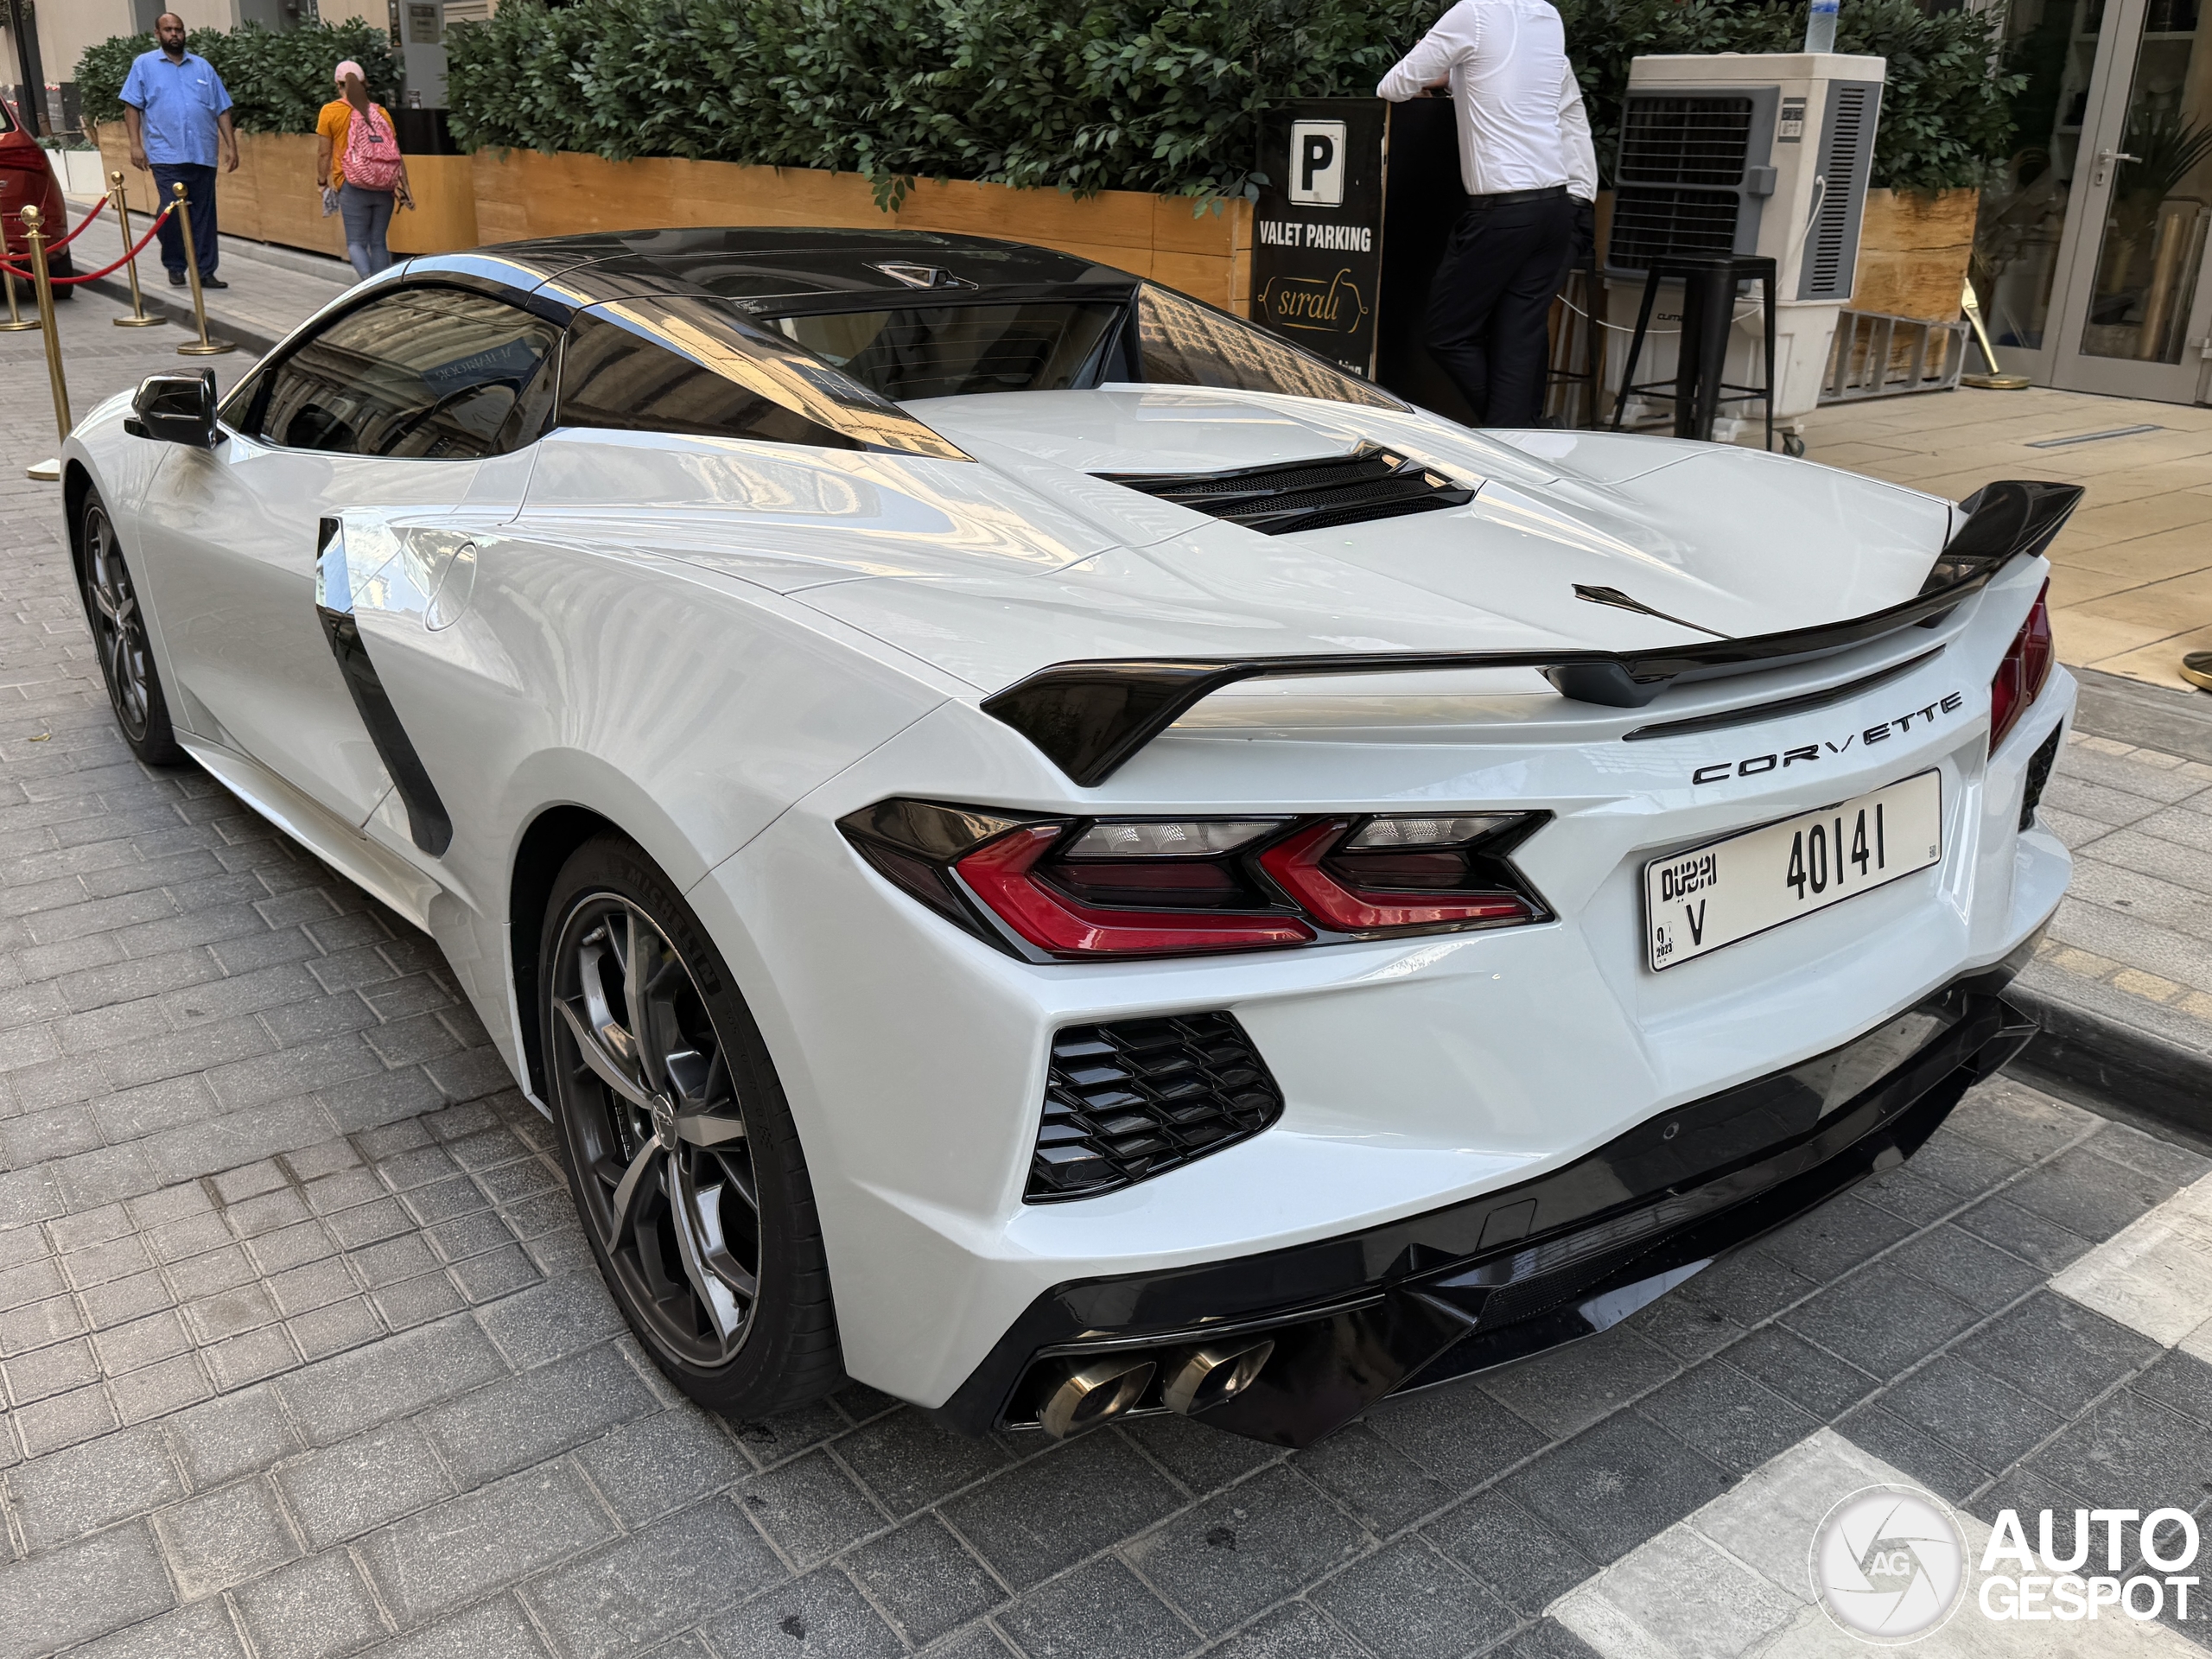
[(1087, 95), (277, 83)]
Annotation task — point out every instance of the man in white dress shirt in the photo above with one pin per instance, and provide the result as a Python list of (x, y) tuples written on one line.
[(1526, 159)]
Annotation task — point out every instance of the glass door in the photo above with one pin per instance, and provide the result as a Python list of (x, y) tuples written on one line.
[(2136, 320), (2027, 230)]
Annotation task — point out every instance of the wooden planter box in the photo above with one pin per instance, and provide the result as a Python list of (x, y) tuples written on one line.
[(274, 196), (1913, 252), (464, 201)]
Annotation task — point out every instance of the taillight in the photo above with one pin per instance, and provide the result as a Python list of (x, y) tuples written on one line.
[(1003, 873), (2021, 676), (1076, 888), (1335, 877)]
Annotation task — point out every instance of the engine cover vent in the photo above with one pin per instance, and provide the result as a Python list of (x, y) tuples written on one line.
[(1370, 483), (1137, 1098)]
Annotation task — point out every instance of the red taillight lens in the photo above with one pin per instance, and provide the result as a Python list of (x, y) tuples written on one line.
[(1067, 886), (1002, 874), (2021, 676), (1362, 893)]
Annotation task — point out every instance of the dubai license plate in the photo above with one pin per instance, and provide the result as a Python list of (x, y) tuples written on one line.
[(1696, 901)]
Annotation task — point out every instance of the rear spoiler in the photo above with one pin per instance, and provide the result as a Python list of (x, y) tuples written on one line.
[(1089, 718)]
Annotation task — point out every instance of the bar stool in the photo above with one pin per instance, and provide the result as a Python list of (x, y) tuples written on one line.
[(1590, 377), (1709, 284)]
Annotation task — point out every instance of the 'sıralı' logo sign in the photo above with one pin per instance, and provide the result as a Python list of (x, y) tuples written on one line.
[(1334, 306), (1889, 1564), (1317, 164)]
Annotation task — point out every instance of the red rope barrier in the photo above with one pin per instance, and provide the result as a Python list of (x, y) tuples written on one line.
[(53, 247), (105, 270)]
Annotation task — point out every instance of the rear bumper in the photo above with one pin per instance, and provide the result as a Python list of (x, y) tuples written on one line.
[(1494, 1279)]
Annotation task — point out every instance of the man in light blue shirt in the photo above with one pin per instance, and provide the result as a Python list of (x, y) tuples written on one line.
[(177, 114)]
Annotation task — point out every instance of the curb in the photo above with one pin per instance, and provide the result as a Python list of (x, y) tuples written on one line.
[(2112, 1067), (246, 336)]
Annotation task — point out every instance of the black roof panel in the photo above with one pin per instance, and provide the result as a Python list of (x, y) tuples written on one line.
[(755, 263)]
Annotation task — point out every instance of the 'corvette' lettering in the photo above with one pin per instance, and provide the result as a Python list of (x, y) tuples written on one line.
[(1752, 765)]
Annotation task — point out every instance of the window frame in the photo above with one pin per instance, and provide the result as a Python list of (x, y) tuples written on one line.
[(247, 405)]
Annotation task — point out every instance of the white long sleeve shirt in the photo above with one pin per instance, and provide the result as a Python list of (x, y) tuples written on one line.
[(1522, 123)]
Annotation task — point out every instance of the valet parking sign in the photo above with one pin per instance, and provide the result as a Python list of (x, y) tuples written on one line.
[(1317, 229), (1888, 1564)]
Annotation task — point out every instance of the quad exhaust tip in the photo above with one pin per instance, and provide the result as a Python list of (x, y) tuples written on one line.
[(1090, 1394), (1195, 1380), (1200, 1378)]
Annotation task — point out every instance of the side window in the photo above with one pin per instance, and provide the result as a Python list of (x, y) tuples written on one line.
[(1183, 343), (615, 377), (428, 373)]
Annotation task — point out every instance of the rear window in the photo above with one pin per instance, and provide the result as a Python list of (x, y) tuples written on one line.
[(951, 351), (1183, 343), (7, 117)]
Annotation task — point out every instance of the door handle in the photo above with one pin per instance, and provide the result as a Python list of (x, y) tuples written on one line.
[(2106, 158)]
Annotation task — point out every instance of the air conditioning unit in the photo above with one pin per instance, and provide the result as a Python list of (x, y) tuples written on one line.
[(1745, 154)]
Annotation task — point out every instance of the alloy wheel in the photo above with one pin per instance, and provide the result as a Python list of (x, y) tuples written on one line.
[(654, 1122), (119, 630)]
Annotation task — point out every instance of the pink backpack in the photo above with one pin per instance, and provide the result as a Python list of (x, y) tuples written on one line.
[(371, 150)]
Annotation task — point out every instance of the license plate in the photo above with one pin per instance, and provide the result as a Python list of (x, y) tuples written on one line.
[(1696, 901)]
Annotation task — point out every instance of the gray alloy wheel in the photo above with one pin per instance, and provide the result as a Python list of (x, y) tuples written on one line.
[(643, 1082), (112, 610)]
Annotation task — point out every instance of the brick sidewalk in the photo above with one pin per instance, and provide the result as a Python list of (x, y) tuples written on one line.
[(303, 1356)]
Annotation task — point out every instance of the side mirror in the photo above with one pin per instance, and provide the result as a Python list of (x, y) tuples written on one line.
[(175, 409)]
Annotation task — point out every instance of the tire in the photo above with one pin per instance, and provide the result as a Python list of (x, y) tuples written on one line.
[(665, 1139), (113, 614)]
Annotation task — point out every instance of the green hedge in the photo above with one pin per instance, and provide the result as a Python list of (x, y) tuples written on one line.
[(1109, 94), (1087, 95), (276, 82)]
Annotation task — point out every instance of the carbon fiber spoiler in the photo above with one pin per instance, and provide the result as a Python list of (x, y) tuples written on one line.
[(1089, 718)]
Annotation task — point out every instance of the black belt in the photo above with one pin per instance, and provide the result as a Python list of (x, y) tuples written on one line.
[(1504, 196)]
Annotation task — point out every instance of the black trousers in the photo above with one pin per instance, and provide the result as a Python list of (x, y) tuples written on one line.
[(200, 202), (1489, 303)]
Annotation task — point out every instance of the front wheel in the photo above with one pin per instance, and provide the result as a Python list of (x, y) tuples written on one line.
[(683, 1159), (119, 625)]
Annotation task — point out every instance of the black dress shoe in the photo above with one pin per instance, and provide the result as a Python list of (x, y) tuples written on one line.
[(212, 282), (176, 279)]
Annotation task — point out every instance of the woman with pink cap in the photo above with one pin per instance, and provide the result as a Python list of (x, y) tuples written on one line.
[(359, 168)]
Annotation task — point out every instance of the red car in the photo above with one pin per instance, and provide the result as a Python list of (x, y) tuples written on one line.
[(26, 180)]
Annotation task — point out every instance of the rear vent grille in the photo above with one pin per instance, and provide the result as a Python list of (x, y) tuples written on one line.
[(1829, 261), (1669, 147), (1685, 140), (1135, 1099), (2039, 777), (1685, 224), (1370, 483)]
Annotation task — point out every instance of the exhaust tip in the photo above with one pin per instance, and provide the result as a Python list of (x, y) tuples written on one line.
[(1090, 1394), (1201, 1378)]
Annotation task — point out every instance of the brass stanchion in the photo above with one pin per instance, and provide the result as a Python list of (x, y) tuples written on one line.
[(138, 318), (42, 285), (203, 347), (1996, 380), (17, 322)]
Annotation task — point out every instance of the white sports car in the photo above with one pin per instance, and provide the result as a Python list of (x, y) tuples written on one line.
[(1053, 853)]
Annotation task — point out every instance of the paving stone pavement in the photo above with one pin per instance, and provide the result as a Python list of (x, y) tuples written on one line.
[(303, 1357), (2131, 585), (2132, 943)]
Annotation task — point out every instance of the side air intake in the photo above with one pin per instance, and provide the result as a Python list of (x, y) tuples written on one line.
[(1370, 483), (1137, 1098)]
